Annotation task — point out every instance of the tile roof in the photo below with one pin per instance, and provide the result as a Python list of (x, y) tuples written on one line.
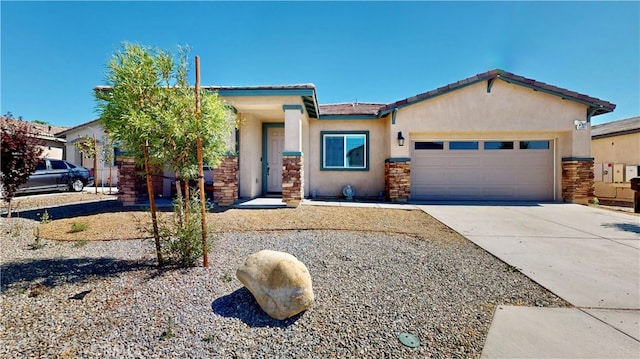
[(355, 108), (263, 87), (306, 91), (599, 106), (616, 128), (38, 129), (69, 129)]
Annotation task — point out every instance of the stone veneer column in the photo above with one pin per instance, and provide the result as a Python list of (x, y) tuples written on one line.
[(225, 181), (397, 179), (292, 178), (577, 179), (127, 181)]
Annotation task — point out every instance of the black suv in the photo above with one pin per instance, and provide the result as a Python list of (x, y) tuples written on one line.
[(52, 175)]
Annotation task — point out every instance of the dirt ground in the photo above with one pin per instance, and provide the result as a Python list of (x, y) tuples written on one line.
[(128, 224)]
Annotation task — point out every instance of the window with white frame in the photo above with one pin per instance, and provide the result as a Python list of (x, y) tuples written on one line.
[(345, 150)]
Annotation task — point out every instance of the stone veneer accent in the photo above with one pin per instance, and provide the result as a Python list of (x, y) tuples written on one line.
[(127, 181), (577, 179), (292, 179), (397, 179), (132, 183), (225, 181)]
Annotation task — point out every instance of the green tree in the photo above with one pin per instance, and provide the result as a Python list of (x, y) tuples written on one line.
[(88, 147), (21, 151), (149, 109)]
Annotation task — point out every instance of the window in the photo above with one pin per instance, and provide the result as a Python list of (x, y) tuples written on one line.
[(429, 145), (117, 152), (498, 145), (463, 145), (58, 165), (345, 150), (534, 145)]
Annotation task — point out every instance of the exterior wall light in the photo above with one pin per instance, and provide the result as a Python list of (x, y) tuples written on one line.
[(400, 139)]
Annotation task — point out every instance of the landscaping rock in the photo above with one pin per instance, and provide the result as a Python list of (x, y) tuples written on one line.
[(280, 283)]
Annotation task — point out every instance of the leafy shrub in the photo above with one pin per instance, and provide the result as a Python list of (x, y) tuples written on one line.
[(79, 227), (181, 235)]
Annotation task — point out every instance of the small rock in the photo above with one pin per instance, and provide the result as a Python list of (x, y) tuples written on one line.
[(280, 283)]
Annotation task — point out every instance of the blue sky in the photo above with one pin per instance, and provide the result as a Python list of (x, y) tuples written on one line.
[(54, 53)]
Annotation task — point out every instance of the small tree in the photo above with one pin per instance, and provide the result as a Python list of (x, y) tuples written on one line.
[(88, 146), (21, 151), (149, 109), (109, 156)]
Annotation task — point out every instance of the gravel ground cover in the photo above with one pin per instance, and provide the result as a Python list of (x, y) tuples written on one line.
[(407, 273)]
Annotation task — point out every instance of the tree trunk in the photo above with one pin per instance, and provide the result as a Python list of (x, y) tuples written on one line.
[(95, 162), (179, 199), (110, 174), (152, 205), (9, 208)]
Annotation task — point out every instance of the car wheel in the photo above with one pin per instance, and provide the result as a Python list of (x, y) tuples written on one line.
[(77, 185)]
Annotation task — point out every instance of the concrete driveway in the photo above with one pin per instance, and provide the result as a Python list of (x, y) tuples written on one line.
[(587, 256)]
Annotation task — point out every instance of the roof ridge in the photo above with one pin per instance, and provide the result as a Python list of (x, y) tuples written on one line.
[(353, 103)]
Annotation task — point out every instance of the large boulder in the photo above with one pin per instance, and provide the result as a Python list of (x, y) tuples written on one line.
[(280, 283)]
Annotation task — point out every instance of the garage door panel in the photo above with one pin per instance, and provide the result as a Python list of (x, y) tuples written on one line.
[(482, 174)]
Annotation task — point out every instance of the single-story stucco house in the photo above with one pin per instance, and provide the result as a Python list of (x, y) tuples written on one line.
[(52, 145), (615, 147), (106, 152), (492, 136)]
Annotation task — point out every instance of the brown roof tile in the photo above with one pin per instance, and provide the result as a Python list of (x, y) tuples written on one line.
[(615, 128), (38, 129), (356, 108)]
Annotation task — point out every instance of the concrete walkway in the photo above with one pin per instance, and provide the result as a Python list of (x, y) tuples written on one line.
[(587, 256)]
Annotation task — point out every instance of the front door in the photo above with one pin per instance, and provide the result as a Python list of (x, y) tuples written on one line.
[(275, 144)]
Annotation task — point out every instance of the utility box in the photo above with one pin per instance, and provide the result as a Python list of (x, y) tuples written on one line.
[(618, 173), (631, 171), (603, 172), (597, 172)]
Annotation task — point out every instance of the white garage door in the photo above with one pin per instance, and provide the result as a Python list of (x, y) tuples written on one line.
[(482, 170)]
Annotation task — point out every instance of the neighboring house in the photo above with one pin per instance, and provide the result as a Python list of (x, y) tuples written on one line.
[(615, 147), (493, 136), (106, 158), (53, 146)]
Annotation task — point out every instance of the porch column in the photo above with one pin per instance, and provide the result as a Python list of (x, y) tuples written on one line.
[(225, 181), (577, 179), (292, 158), (397, 179), (127, 193)]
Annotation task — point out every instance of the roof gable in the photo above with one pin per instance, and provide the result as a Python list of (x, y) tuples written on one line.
[(596, 106)]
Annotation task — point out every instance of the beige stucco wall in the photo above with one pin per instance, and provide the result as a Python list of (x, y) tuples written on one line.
[(250, 155), (623, 149), (330, 183), (618, 149), (74, 156), (53, 149), (508, 112)]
